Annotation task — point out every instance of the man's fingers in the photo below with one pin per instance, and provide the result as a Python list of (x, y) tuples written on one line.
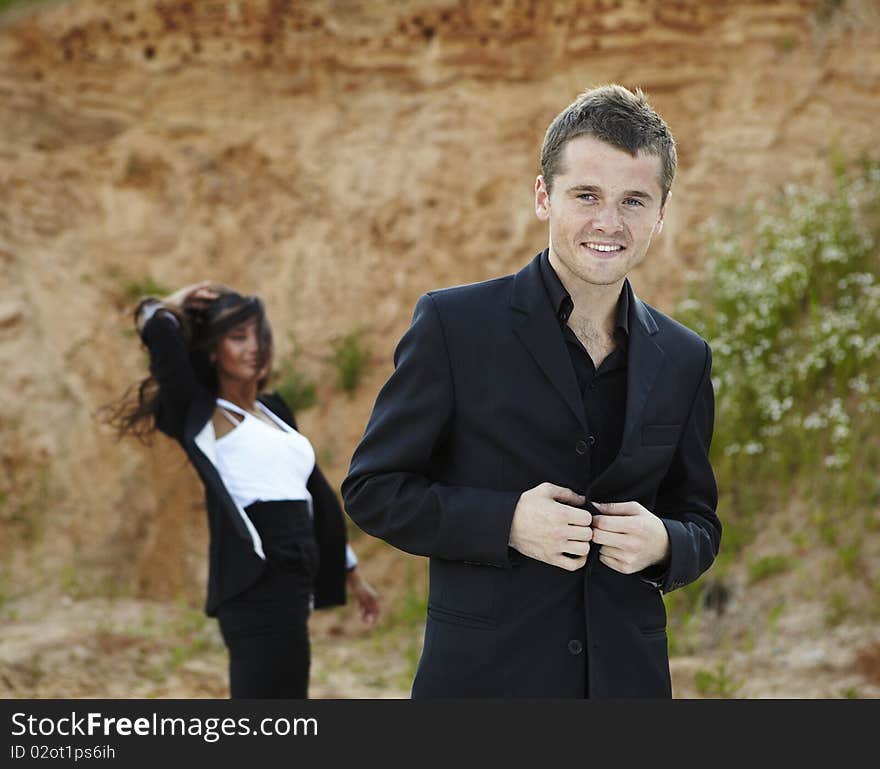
[(617, 508), (570, 564), (608, 538), (575, 516), (612, 563), (564, 495), (576, 548), (578, 534), (610, 551), (615, 523)]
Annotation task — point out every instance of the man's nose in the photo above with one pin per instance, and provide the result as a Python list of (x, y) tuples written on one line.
[(607, 219)]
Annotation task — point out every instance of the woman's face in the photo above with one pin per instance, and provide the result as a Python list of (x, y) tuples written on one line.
[(237, 355)]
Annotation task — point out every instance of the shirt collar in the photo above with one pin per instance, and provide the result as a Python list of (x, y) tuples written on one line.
[(560, 299)]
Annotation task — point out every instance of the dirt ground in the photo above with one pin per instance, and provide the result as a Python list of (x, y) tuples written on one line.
[(102, 649), (63, 647)]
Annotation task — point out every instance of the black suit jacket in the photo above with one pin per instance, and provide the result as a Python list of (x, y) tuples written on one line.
[(236, 555), (483, 404)]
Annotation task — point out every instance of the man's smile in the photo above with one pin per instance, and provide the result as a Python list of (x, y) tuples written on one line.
[(604, 249)]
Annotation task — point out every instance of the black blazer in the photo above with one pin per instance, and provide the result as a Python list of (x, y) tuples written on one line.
[(483, 404), (236, 557)]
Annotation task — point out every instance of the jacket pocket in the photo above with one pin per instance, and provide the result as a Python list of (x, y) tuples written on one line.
[(464, 589), (660, 435), (440, 614)]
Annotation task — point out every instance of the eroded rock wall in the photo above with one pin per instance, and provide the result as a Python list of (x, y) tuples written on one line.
[(339, 158)]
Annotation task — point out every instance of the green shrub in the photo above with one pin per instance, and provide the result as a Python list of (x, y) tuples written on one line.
[(298, 391), (850, 557), (761, 568), (350, 357), (790, 302), (5, 5), (837, 609), (137, 289), (717, 683)]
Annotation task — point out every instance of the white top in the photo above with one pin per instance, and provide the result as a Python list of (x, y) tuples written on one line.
[(259, 463)]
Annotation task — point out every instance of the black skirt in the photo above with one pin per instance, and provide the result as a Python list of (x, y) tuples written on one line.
[(265, 628)]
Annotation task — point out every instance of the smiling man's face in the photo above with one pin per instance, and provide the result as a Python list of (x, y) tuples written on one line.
[(603, 211)]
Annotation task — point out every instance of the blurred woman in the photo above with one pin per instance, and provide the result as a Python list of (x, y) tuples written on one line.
[(277, 534)]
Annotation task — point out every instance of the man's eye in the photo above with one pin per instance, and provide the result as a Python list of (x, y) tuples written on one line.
[(587, 196), (633, 202)]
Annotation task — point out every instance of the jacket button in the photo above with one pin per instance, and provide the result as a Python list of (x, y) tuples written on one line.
[(575, 646), (581, 447)]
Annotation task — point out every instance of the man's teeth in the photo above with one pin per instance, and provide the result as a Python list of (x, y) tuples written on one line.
[(600, 247)]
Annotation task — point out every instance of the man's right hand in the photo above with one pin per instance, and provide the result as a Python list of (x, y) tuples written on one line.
[(546, 525)]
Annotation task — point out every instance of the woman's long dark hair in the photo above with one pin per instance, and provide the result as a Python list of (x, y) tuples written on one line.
[(134, 413)]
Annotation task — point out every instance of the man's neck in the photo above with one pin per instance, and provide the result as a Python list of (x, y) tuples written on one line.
[(594, 305)]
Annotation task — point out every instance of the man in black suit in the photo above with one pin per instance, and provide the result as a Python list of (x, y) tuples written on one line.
[(544, 439)]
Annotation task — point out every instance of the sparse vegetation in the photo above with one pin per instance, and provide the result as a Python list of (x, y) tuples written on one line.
[(406, 621), (350, 358), (775, 613), (717, 683), (790, 302), (849, 556), (826, 9), (5, 592), (6, 5), (139, 288), (23, 509), (767, 566), (299, 391), (791, 305), (837, 608), (134, 167)]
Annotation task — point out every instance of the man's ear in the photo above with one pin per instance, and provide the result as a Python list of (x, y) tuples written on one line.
[(542, 199), (658, 227)]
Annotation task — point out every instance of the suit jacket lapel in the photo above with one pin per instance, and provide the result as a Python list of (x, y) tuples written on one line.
[(199, 439), (538, 329), (645, 359)]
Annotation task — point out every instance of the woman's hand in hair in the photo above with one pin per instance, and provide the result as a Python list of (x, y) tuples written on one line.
[(197, 296)]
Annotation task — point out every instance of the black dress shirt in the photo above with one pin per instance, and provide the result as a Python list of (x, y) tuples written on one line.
[(603, 389)]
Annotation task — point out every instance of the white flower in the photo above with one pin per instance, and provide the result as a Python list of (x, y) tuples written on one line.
[(835, 461), (814, 421)]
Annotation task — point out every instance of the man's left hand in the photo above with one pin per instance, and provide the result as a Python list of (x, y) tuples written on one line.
[(630, 537)]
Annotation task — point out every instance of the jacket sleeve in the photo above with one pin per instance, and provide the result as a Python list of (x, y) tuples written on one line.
[(390, 491), (171, 367), (688, 496)]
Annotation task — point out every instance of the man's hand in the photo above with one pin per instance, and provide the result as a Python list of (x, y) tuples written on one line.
[(630, 537), (546, 525)]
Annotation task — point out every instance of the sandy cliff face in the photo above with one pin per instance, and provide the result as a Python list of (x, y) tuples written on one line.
[(339, 159)]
